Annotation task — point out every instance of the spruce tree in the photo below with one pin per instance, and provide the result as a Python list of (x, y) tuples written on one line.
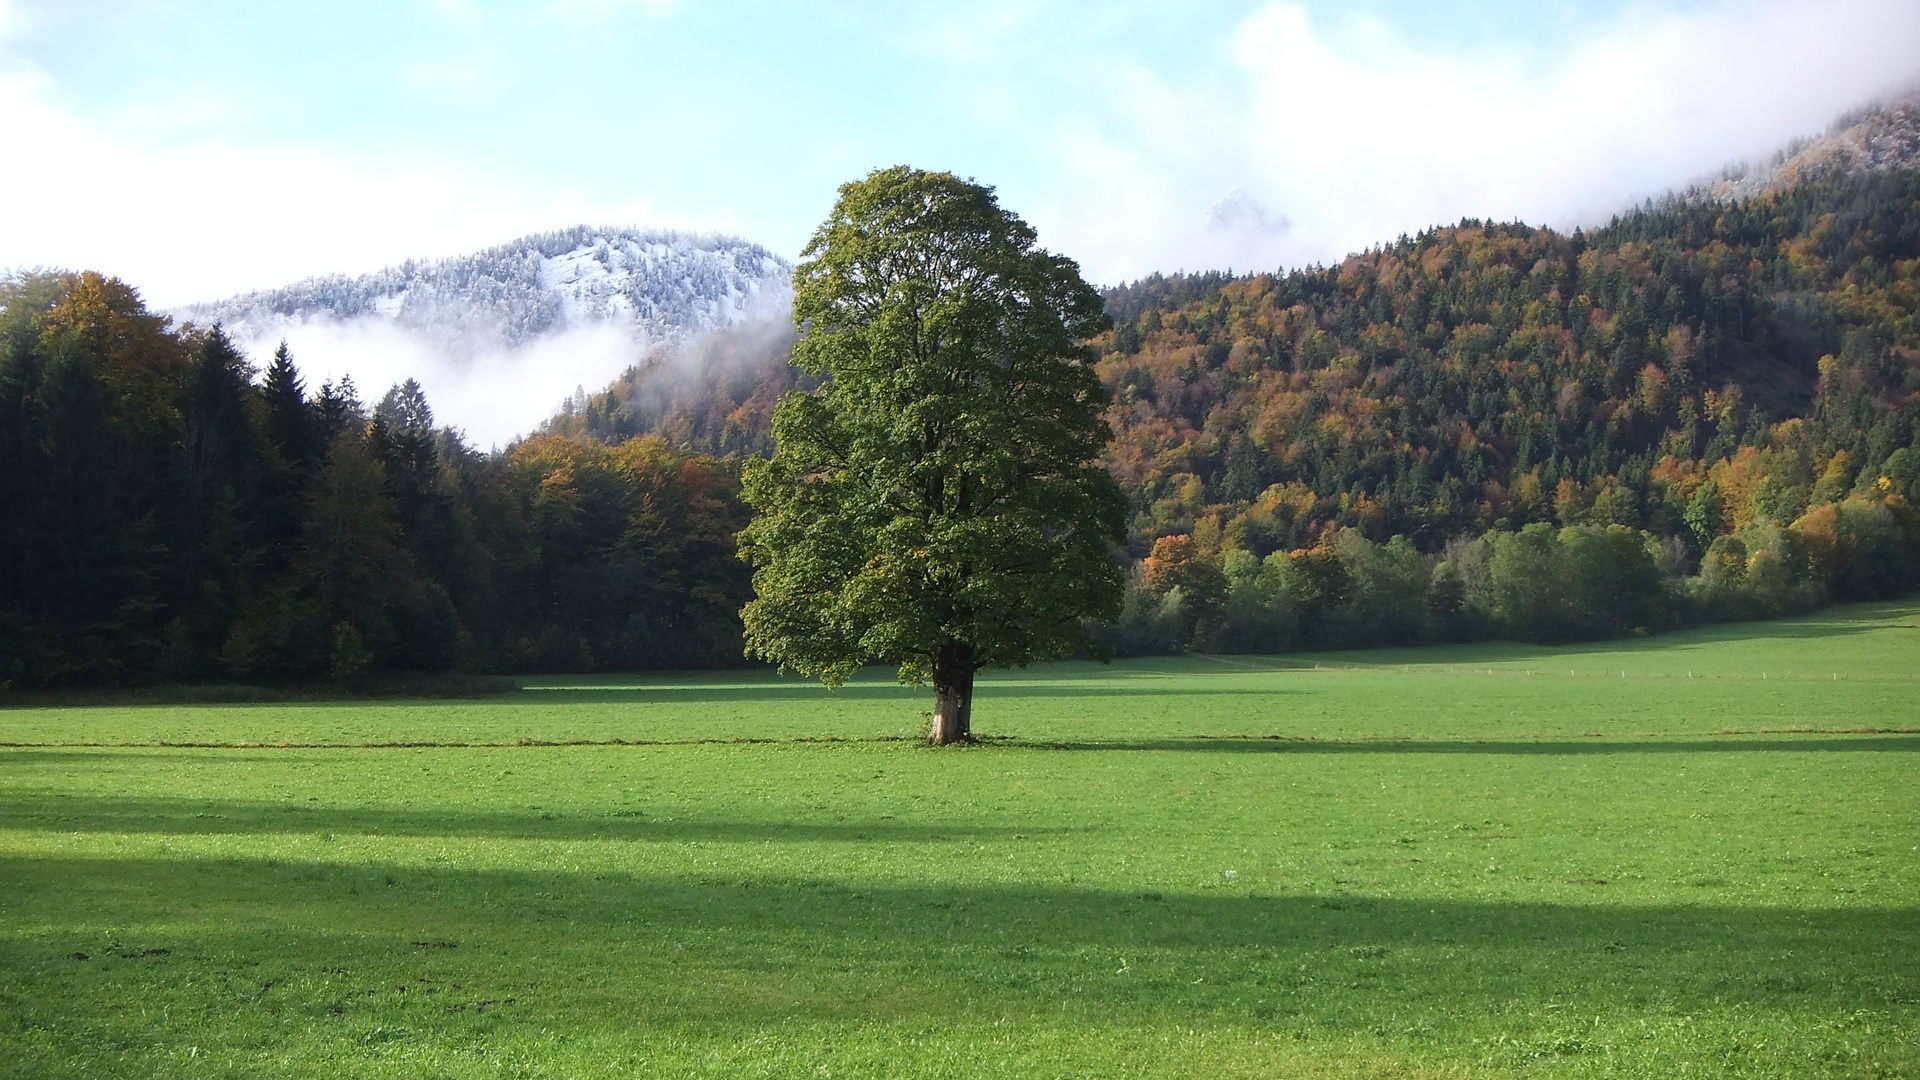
[(217, 521), (86, 590), (291, 422)]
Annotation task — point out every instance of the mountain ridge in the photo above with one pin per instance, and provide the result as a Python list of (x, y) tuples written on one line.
[(1875, 137), (667, 284)]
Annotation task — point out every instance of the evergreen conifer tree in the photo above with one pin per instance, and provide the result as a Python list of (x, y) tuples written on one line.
[(291, 421)]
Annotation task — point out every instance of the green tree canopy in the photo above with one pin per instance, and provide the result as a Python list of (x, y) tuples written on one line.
[(938, 502)]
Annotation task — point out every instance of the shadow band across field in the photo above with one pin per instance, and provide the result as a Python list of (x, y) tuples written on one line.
[(213, 817), (1709, 744), (778, 948), (1867, 741), (25, 809), (703, 695)]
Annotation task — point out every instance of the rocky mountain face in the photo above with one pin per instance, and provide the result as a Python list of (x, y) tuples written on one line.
[(668, 285)]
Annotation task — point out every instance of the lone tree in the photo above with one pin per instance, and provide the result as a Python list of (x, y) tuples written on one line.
[(937, 503)]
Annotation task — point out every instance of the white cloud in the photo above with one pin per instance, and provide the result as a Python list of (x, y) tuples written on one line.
[(493, 396), (1247, 227), (1356, 134), (187, 217), (1295, 141)]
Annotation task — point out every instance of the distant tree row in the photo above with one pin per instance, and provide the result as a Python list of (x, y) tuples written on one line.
[(1541, 583), (170, 512)]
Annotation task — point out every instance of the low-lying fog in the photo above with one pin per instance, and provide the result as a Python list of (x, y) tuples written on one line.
[(495, 392)]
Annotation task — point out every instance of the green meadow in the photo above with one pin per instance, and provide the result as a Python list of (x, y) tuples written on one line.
[(1695, 854)]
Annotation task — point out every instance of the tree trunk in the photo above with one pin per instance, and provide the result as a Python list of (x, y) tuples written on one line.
[(952, 695)]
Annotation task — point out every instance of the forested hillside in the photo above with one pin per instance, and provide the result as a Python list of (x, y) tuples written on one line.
[(168, 511), (1704, 410), (1487, 376), (714, 394)]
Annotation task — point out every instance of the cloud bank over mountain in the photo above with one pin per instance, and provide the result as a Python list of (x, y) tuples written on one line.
[(1354, 132), (197, 158), (500, 338)]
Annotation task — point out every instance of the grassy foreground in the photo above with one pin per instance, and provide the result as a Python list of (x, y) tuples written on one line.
[(1696, 854)]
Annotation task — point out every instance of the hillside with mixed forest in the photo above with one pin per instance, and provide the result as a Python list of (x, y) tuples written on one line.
[(1485, 376), (1706, 409)]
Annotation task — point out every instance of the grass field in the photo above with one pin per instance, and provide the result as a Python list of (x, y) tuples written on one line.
[(1690, 855)]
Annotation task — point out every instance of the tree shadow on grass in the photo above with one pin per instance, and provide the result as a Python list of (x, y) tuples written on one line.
[(742, 948), (222, 817), (1279, 744)]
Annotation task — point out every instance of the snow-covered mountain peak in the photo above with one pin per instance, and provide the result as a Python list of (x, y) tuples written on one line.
[(663, 284), (500, 337)]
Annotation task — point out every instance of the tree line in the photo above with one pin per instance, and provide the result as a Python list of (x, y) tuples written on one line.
[(1540, 583), (170, 512)]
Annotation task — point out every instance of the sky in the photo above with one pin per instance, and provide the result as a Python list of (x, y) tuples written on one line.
[(202, 148), (198, 148)]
